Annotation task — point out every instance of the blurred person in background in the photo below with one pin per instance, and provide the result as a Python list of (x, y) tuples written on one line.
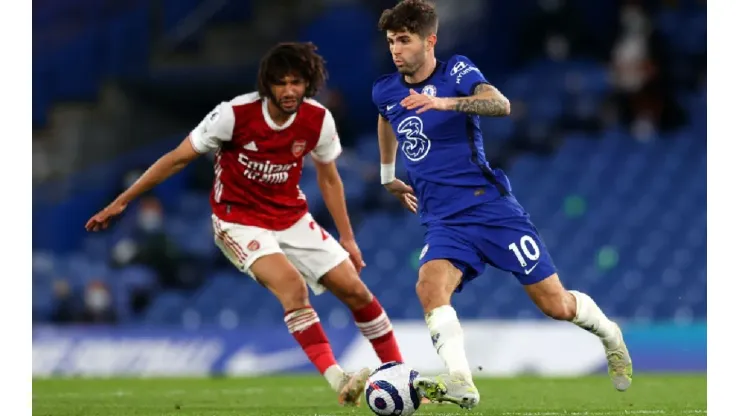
[(554, 30), (149, 245), (64, 309), (644, 97), (98, 304), (333, 100), (260, 216)]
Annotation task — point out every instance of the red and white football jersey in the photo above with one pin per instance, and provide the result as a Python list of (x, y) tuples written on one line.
[(258, 164)]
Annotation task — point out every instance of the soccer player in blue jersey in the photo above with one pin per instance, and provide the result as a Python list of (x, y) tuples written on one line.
[(432, 108)]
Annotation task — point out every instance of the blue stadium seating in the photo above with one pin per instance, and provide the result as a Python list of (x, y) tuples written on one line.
[(79, 43)]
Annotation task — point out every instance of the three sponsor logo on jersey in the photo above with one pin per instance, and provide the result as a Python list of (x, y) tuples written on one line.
[(416, 144)]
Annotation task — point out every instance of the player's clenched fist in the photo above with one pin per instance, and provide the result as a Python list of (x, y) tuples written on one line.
[(404, 193), (101, 220), (355, 255)]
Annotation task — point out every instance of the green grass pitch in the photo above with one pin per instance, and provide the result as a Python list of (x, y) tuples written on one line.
[(308, 395)]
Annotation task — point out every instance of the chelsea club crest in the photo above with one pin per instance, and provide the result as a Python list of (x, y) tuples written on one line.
[(429, 90)]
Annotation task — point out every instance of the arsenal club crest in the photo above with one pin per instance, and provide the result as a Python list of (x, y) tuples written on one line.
[(298, 147)]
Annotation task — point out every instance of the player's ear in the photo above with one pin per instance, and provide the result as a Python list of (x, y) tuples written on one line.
[(431, 41)]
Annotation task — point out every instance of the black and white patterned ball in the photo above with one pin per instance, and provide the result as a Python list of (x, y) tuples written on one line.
[(389, 390)]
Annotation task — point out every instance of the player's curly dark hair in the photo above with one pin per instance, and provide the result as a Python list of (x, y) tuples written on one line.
[(292, 58), (415, 16)]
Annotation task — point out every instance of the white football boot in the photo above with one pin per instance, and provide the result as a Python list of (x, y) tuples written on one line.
[(620, 364), (352, 387), (448, 388)]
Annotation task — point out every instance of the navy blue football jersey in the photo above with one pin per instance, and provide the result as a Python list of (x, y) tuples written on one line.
[(472, 219), (442, 150)]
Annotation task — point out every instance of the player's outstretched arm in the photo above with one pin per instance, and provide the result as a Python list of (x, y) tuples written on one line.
[(332, 189), (485, 101), (167, 165)]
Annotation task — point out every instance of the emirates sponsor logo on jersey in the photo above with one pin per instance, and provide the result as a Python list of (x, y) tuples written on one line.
[(266, 171)]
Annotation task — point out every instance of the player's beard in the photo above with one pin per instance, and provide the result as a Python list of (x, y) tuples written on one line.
[(406, 71), (294, 104), (410, 68)]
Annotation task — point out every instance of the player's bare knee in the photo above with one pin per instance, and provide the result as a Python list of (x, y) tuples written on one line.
[(357, 295), (432, 288), (437, 280), (293, 294), (428, 287), (430, 295), (557, 307), (431, 279), (551, 297), (344, 282)]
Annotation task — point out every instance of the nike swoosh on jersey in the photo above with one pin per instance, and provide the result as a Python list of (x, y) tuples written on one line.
[(528, 271)]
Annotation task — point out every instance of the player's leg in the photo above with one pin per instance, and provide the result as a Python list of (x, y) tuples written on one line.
[(513, 244), (317, 254), (437, 281), (447, 261), (256, 251), (279, 275), (370, 318), (558, 303)]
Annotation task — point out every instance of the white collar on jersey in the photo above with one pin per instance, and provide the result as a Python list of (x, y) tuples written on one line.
[(270, 122)]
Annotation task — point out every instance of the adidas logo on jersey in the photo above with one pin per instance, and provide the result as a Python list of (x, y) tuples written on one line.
[(251, 146)]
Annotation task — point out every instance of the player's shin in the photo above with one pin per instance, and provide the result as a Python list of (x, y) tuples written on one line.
[(447, 337), (305, 327), (374, 324), (590, 317)]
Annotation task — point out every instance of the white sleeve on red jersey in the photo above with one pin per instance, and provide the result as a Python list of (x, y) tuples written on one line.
[(216, 127), (328, 148)]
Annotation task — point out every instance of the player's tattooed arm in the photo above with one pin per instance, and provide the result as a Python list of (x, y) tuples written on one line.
[(485, 101)]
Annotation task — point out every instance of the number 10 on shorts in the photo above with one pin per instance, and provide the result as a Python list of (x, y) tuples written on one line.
[(528, 246)]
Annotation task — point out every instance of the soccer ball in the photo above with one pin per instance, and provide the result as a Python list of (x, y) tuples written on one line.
[(389, 390)]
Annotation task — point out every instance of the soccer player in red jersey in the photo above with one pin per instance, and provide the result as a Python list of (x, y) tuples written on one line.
[(260, 216)]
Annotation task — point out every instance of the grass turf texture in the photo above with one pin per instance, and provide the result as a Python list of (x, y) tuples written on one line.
[(309, 395)]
